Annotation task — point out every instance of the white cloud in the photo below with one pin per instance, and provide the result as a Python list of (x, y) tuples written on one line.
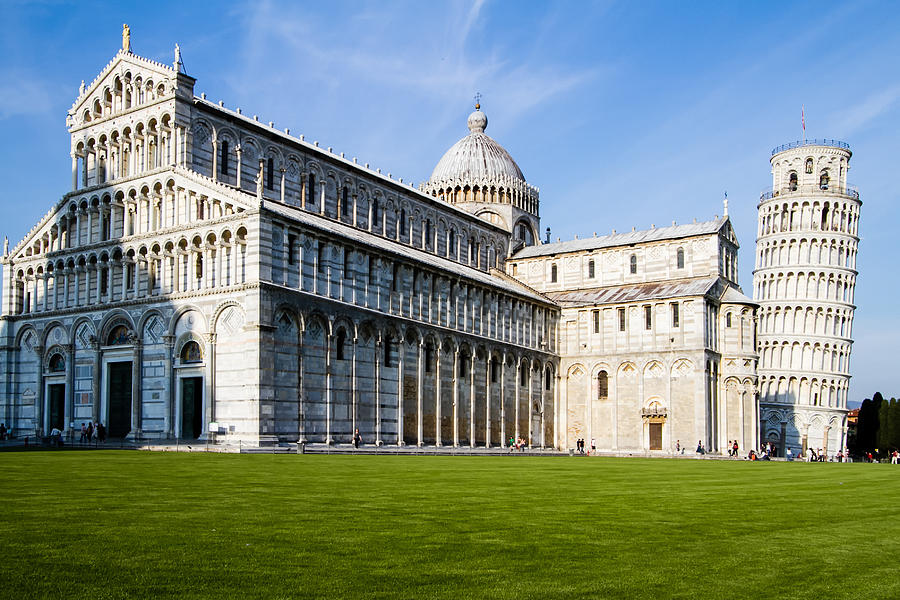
[(856, 117)]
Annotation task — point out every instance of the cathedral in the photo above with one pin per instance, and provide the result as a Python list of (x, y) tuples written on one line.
[(211, 277)]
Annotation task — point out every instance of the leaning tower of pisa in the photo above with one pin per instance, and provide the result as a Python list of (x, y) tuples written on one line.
[(804, 281)]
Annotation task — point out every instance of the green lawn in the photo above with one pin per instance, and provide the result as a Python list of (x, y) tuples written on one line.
[(117, 524)]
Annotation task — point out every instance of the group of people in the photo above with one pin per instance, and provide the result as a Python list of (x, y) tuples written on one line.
[(92, 432), (518, 443), (733, 448), (579, 446)]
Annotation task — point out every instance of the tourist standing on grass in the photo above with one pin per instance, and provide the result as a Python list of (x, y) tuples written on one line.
[(700, 449), (356, 439), (83, 434), (90, 432), (789, 454), (677, 446), (101, 433), (734, 448), (593, 446)]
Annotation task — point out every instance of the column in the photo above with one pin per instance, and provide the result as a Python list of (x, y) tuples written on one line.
[(215, 159), (472, 400), (237, 150), (328, 439), (70, 385), (518, 387), (136, 404), (455, 397), (437, 394), (169, 341), (531, 399), (543, 389), (282, 169), (210, 382), (503, 402), (420, 389), (301, 409), (378, 350), (95, 382), (39, 396), (487, 400), (74, 171), (400, 354), (354, 395)]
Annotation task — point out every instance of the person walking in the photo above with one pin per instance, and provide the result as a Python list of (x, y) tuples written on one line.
[(677, 446), (356, 439), (734, 448)]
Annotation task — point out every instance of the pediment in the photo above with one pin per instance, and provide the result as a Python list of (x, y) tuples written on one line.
[(122, 75)]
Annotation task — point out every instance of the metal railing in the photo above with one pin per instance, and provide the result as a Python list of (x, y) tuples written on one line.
[(801, 143), (838, 190)]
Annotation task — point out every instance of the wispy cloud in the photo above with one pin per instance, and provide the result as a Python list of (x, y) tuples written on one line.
[(857, 117)]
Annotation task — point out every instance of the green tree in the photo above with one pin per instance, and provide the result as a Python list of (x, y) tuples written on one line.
[(867, 424), (894, 413), (884, 426)]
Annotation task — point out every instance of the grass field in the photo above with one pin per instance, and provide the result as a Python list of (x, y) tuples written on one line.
[(117, 524)]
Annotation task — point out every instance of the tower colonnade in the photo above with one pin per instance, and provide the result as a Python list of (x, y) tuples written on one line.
[(804, 282)]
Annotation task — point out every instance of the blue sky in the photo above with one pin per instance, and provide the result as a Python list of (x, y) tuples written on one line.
[(624, 114)]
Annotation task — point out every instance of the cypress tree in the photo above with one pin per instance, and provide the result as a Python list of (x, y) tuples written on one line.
[(884, 428)]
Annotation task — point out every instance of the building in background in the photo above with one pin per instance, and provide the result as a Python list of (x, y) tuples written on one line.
[(209, 276), (804, 282)]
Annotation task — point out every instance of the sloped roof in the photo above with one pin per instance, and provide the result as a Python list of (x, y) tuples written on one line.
[(617, 294), (734, 296), (624, 239), (439, 263)]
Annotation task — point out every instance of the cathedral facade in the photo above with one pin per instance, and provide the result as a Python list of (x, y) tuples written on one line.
[(209, 276)]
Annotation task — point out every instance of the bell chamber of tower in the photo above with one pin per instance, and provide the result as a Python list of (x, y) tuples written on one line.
[(804, 282), (479, 175)]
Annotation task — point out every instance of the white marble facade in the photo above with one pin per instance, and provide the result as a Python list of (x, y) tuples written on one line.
[(804, 281), (209, 276)]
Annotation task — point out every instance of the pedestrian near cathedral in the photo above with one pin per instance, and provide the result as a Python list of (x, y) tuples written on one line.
[(356, 438)]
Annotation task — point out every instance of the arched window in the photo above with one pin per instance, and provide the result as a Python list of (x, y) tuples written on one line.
[(824, 180), (451, 243), (602, 385), (553, 273), (57, 363), (118, 336), (340, 342), (792, 182), (401, 225), (680, 258), (633, 263), (311, 199), (809, 166), (345, 202), (223, 160), (190, 353), (591, 269), (270, 174), (548, 379), (374, 211), (727, 319)]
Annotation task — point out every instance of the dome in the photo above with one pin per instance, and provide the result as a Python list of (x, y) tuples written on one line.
[(476, 157)]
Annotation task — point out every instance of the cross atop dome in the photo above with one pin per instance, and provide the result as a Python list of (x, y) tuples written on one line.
[(477, 100)]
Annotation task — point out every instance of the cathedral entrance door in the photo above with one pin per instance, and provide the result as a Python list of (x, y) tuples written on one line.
[(119, 396), (191, 407), (57, 399), (655, 436)]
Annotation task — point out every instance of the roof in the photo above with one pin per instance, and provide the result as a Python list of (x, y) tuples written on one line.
[(624, 239), (476, 157), (618, 294), (376, 174), (734, 296), (385, 245)]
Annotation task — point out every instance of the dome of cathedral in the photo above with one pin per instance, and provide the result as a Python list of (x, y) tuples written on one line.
[(476, 158)]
